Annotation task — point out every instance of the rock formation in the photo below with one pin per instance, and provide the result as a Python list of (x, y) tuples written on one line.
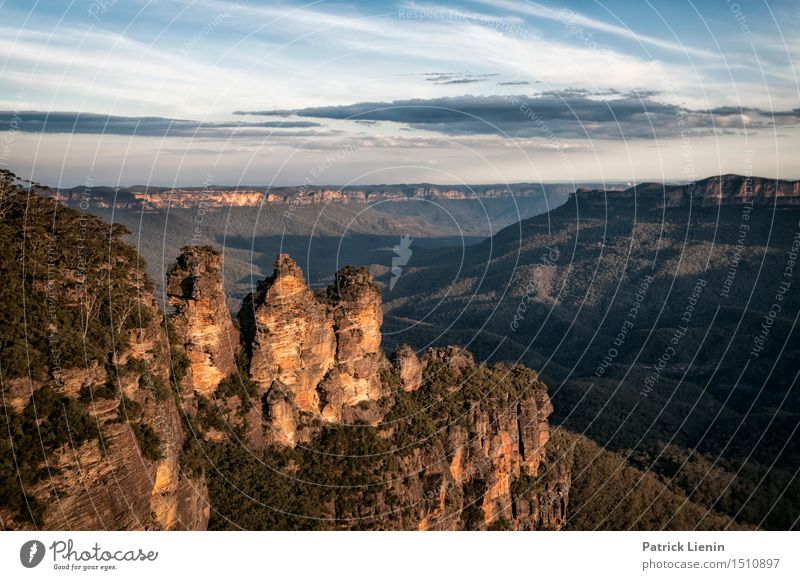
[(408, 368), (313, 355), (114, 482), (200, 317), (491, 460), (118, 436), (354, 301), (290, 335), (317, 362), (97, 434)]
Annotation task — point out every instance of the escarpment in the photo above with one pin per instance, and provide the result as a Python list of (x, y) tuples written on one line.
[(95, 429), (720, 190), (482, 466)]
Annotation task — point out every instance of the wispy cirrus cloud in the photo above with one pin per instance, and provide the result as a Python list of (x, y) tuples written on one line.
[(570, 16)]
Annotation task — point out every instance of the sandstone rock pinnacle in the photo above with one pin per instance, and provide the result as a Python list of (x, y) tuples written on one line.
[(324, 350), (202, 322)]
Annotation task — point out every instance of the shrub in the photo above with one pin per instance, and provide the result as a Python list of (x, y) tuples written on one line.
[(148, 440), (49, 421)]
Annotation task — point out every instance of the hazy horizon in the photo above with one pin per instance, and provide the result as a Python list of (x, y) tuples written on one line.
[(335, 186)]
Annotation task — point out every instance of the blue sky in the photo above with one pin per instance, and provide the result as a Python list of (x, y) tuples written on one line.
[(483, 91)]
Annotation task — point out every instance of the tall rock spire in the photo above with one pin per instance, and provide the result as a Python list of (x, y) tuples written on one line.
[(201, 319)]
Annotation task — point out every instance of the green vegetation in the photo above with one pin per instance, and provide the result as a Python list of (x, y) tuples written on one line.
[(49, 421), (179, 360), (67, 281), (148, 440), (239, 383), (745, 488), (210, 415), (129, 410), (472, 515), (340, 476), (193, 459), (446, 397), (606, 493), (350, 477), (156, 384)]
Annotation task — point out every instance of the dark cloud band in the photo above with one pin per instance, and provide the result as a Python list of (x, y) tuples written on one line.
[(96, 124), (566, 114)]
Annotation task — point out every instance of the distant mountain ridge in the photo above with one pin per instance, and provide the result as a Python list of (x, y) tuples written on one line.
[(153, 198), (722, 189)]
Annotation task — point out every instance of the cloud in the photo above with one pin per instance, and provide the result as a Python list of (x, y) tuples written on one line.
[(414, 10), (568, 114), (98, 124), (459, 82), (458, 78), (571, 18)]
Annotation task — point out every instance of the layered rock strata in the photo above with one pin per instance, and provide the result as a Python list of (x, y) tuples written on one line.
[(489, 462), (313, 355), (200, 317)]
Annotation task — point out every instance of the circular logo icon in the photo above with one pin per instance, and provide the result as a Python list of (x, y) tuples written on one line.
[(31, 553)]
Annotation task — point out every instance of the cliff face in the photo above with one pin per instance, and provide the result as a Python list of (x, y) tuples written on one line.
[(313, 355), (96, 432), (737, 189), (709, 192), (218, 197), (128, 477), (201, 320), (117, 482), (488, 465)]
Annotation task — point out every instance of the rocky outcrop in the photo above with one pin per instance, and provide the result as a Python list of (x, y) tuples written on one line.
[(290, 335), (354, 301), (453, 357), (317, 361), (408, 367), (113, 482), (313, 355), (96, 431), (282, 415), (200, 317), (491, 462)]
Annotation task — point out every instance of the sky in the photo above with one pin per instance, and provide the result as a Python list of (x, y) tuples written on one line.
[(181, 92)]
